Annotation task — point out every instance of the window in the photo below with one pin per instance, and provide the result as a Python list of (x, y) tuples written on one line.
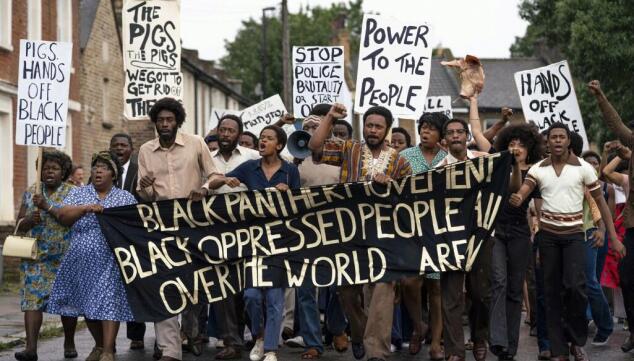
[(105, 102), (65, 20), (35, 20), (5, 24), (6, 160)]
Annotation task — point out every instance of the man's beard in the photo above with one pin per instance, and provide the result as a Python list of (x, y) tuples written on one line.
[(168, 136), (228, 148), (374, 146)]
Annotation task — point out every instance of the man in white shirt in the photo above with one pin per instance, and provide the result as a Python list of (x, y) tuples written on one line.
[(562, 179), (226, 158)]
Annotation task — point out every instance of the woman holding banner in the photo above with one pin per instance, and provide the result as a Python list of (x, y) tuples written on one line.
[(512, 244), (37, 276), (89, 282)]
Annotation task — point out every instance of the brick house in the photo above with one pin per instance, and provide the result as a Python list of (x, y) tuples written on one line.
[(102, 79), (37, 20)]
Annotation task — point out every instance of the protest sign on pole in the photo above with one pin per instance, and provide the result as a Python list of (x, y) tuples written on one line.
[(441, 104), (266, 112), (548, 96), (43, 82), (318, 77), (151, 54), (394, 65)]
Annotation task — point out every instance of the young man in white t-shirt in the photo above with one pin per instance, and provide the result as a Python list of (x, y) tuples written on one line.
[(562, 179)]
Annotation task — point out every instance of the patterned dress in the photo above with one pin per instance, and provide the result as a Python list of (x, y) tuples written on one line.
[(418, 162), (37, 275), (89, 282)]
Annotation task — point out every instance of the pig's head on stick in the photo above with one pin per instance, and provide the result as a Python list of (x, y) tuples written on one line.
[(471, 75)]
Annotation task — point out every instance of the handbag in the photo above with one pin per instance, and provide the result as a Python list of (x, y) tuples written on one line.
[(18, 246)]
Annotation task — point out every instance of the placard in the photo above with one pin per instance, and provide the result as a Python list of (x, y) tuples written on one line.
[(266, 112), (43, 81), (439, 104), (548, 96), (394, 65), (151, 54), (318, 77)]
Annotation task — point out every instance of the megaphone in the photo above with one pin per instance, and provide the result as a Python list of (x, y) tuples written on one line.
[(298, 144)]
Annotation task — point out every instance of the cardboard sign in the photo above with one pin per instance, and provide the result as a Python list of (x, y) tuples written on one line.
[(548, 96), (266, 112), (151, 54), (43, 83), (441, 104), (318, 77), (394, 65)]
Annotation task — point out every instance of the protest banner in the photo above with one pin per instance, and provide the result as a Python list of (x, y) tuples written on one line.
[(394, 65), (318, 77), (43, 86), (217, 113), (441, 104), (266, 112), (151, 54), (548, 96), (175, 253)]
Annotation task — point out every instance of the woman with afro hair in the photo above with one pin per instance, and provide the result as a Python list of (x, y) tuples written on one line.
[(512, 243)]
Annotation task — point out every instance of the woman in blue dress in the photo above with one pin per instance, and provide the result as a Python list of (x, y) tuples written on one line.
[(88, 282)]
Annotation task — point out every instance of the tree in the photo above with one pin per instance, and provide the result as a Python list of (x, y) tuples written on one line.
[(310, 26), (597, 39)]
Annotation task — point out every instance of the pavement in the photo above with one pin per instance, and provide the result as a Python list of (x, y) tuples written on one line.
[(12, 330)]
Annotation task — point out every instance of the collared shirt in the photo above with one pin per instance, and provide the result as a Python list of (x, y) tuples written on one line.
[(251, 174), (124, 173), (563, 195), (178, 170), (357, 164), (418, 162), (450, 159), (238, 156)]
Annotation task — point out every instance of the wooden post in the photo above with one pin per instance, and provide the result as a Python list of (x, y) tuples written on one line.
[(38, 173), (287, 92)]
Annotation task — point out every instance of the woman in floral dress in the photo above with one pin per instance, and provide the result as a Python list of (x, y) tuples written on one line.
[(89, 282), (52, 243)]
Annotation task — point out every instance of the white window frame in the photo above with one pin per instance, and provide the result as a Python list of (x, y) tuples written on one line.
[(6, 29), (65, 20), (7, 214), (34, 20)]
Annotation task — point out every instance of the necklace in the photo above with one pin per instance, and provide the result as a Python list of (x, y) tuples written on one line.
[(373, 167)]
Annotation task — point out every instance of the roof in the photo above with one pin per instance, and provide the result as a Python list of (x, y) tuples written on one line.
[(499, 86), (87, 14)]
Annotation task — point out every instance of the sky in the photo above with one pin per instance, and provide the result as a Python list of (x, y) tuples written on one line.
[(486, 30)]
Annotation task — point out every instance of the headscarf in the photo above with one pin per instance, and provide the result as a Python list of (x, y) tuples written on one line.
[(106, 157)]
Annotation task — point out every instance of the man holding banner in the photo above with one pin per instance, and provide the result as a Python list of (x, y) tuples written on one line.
[(365, 161), (173, 166), (456, 133)]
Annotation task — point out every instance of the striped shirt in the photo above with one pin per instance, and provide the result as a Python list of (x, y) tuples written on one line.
[(356, 165), (563, 195)]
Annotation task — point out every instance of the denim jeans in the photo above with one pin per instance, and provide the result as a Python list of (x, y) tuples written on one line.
[(308, 314), (598, 308), (253, 299)]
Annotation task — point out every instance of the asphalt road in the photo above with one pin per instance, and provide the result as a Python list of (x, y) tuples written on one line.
[(52, 350)]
